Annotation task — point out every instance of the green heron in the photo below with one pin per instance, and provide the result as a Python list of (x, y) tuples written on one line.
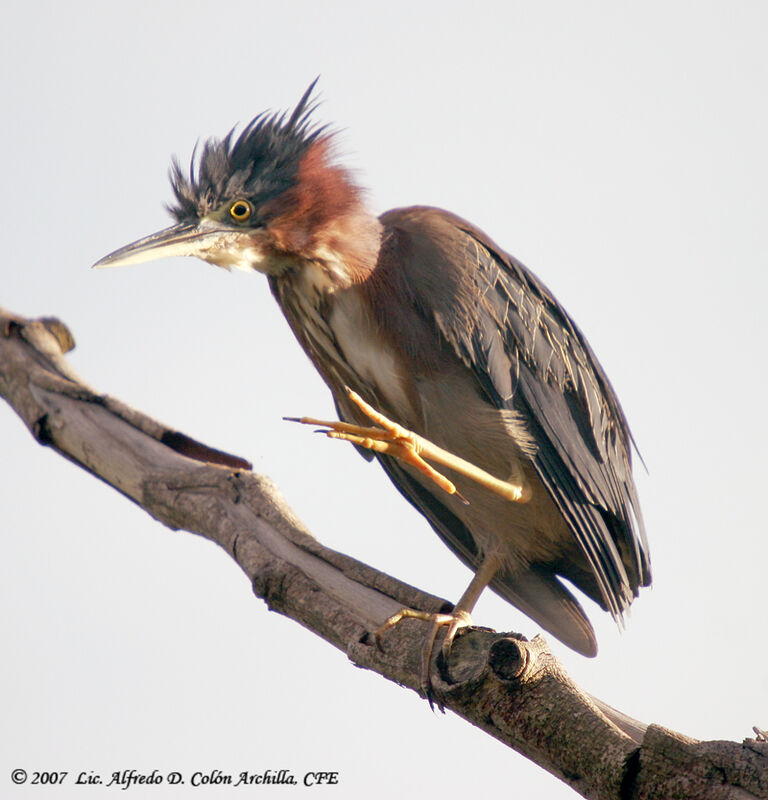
[(459, 355)]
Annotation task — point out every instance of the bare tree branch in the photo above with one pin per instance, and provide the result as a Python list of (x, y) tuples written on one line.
[(513, 689)]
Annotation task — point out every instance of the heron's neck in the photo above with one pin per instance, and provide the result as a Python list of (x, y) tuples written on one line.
[(322, 218), (341, 254), (348, 248)]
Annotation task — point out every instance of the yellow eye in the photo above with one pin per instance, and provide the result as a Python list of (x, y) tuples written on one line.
[(240, 210)]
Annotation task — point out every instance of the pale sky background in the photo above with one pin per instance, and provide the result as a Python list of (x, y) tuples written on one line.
[(618, 149)]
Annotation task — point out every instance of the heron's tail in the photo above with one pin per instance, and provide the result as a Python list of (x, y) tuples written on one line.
[(541, 596)]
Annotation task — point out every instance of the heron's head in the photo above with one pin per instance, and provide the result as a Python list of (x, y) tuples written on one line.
[(260, 199)]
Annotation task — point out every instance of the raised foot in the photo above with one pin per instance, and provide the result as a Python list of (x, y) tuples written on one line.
[(394, 440), (389, 438)]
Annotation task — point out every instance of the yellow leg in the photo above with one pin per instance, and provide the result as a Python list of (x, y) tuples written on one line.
[(394, 440)]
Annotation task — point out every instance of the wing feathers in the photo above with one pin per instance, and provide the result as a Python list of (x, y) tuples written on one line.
[(529, 357)]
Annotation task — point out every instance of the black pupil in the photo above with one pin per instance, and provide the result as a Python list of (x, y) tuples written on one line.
[(240, 210)]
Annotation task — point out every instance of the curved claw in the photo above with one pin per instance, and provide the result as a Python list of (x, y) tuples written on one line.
[(396, 441), (454, 620), (389, 439)]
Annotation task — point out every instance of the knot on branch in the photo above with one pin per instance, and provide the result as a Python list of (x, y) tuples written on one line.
[(509, 658), (41, 430), (60, 332), (47, 334), (269, 583), (479, 654)]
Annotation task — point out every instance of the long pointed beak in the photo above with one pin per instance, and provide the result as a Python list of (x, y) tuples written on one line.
[(184, 239)]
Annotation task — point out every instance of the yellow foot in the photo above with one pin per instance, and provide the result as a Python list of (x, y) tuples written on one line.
[(395, 440), (454, 620), (389, 438)]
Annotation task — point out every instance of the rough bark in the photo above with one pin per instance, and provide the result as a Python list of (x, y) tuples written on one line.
[(513, 689)]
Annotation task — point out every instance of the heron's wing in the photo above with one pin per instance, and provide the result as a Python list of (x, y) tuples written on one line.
[(528, 355)]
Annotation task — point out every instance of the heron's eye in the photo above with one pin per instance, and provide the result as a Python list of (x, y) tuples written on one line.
[(240, 210)]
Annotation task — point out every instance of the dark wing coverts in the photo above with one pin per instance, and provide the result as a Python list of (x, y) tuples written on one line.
[(529, 356)]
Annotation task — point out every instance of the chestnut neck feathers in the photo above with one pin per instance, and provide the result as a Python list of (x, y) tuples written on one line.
[(304, 206), (322, 217)]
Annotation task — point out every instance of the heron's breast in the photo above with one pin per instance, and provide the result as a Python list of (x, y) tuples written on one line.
[(342, 336), (367, 351)]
